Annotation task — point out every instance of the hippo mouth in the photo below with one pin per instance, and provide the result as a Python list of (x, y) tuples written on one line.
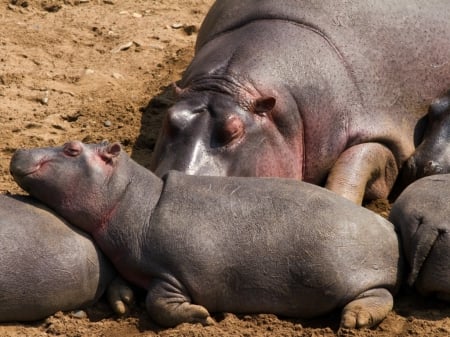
[(21, 171)]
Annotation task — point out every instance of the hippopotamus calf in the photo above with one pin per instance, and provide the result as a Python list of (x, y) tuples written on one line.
[(221, 244), (422, 215), (432, 156), (329, 92), (46, 265)]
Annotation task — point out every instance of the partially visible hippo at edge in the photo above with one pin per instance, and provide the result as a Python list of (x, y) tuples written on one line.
[(329, 92), (221, 244), (45, 264), (422, 215), (432, 156)]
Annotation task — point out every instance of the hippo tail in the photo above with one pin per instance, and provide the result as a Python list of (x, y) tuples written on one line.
[(421, 245)]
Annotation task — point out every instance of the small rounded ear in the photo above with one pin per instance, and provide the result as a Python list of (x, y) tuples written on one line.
[(111, 151), (264, 104), (114, 149)]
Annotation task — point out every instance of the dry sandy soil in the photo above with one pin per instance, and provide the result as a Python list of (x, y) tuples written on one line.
[(98, 69)]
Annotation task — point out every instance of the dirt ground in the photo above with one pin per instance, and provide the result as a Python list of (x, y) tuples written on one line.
[(98, 69)]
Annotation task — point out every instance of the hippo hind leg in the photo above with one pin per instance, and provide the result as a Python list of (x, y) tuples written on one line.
[(169, 305), (368, 309)]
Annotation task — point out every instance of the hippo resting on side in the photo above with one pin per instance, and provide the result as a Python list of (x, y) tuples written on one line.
[(329, 92), (46, 265), (221, 244), (422, 216), (432, 156)]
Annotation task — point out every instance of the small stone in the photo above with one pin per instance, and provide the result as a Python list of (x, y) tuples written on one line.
[(78, 314), (89, 71), (136, 15), (108, 2), (107, 124), (177, 25), (122, 47), (117, 76)]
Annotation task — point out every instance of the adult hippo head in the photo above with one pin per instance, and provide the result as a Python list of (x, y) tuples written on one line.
[(324, 92)]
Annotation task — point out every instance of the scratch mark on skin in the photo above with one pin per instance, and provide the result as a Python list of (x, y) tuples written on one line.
[(235, 190)]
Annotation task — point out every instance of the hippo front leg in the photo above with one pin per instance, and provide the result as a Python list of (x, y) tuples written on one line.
[(368, 309), (366, 170), (169, 305)]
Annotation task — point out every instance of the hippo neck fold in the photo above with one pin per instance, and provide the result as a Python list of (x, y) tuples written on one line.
[(219, 81), (130, 218)]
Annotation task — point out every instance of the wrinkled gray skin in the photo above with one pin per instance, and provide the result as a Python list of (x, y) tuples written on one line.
[(432, 156), (46, 265), (323, 91), (221, 244), (422, 215)]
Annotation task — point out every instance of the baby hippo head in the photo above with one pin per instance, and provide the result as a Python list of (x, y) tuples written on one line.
[(79, 181)]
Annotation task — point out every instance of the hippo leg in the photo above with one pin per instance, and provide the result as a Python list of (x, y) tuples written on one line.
[(119, 296), (368, 309), (169, 305), (366, 170)]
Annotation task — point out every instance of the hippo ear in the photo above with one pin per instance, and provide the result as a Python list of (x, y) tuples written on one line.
[(264, 104), (111, 151), (176, 89)]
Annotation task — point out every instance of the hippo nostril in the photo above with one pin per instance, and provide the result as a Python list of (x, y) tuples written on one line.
[(440, 107), (230, 131), (177, 120)]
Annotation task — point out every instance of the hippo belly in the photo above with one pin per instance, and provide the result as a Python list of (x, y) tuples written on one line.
[(46, 265), (422, 215)]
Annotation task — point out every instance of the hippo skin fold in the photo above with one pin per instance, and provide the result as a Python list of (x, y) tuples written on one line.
[(329, 92), (201, 244), (421, 214), (46, 264)]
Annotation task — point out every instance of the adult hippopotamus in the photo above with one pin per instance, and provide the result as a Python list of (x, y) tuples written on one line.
[(422, 215), (46, 264), (432, 156), (213, 244), (324, 91)]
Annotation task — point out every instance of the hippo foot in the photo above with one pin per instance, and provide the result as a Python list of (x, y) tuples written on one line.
[(169, 306), (368, 309), (119, 296)]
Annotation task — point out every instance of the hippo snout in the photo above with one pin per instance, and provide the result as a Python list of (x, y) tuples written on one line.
[(23, 163)]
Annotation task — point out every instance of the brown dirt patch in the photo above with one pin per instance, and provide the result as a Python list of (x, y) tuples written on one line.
[(87, 69)]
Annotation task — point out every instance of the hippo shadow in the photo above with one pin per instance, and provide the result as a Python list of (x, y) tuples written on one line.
[(408, 303), (151, 121)]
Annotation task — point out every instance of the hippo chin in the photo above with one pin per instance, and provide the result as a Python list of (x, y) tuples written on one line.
[(46, 264), (422, 215), (323, 91), (201, 244)]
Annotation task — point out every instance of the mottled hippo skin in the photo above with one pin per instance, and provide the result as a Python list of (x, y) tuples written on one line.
[(324, 91), (46, 265), (221, 244), (432, 156), (423, 217)]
